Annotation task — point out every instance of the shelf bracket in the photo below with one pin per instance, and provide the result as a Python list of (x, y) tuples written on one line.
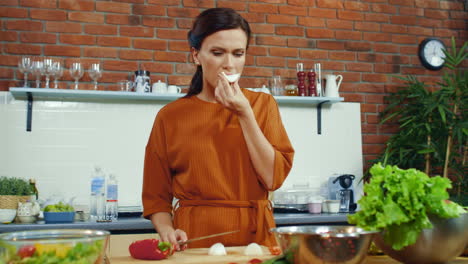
[(29, 112), (319, 117)]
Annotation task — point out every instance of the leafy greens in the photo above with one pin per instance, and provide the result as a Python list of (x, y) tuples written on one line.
[(399, 201)]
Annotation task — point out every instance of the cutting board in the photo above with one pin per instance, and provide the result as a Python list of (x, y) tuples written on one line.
[(119, 253)]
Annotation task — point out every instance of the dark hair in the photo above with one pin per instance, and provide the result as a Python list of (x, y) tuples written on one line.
[(208, 22)]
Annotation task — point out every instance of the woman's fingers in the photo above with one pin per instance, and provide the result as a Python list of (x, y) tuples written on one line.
[(181, 236)]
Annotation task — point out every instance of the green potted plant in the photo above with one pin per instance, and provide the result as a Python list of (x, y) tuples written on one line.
[(433, 125), (14, 190)]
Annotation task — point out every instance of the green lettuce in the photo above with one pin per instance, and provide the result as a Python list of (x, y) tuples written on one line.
[(398, 202)]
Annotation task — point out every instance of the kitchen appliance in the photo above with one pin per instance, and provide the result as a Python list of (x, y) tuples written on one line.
[(345, 195)]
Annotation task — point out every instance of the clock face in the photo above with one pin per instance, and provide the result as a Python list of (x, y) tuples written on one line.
[(431, 53)]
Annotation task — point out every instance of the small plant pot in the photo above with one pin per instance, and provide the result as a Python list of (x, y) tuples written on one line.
[(59, 217)]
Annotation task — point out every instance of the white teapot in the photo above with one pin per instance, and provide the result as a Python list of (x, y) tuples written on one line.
[(332, 87), (28, 209)]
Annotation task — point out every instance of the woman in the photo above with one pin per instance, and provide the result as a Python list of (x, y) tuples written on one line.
[(218, 150)]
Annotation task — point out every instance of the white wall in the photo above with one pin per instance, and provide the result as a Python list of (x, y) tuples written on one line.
[(69, 138)]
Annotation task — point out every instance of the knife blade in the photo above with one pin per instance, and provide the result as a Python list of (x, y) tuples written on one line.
[(205, 237)]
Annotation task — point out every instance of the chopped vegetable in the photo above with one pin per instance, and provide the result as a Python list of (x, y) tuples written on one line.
[(60, 207), (253, 249), (26, 251), (398, 201), (254, 261), (150, 249), (275, 250), (217, 250)]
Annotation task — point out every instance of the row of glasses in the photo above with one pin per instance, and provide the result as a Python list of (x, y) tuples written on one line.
[(54, 68)]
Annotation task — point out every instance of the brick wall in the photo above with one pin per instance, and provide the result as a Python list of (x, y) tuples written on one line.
[(365, 41)]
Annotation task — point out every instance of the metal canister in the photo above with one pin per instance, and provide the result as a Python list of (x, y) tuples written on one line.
[(142, 82)]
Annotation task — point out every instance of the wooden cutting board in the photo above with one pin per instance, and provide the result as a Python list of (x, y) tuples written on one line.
[(119, 253)]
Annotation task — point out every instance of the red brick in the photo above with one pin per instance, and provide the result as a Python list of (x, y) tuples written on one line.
[(151, 44), (409, 50), (123, 19), (387, 68), (6, 73), (22, 49), (372, 17), (343, 55), (100, 52), (350, 77), (377, 37), (240, 6), (353, 98), (38, 37), (290, 31), (427, 3), (199, 3), (271, 62), (339, 24), (436, 14), (136, 31), (8, 36), (301, 43), (374, 78), (421, 31), (293, 10), (9, 3), (322, 13), (404, 20), (383, 8), (159, 22), (77, 39), (179, 45), (262, 28), (433, 23), (411, 11), (154, 67), (257, 51), (350, 35), (254, 17), (113, 7), (184, 23), (120, 65), (39, 3), (359, 67), (185, 68), (333, 65), (114, 41), (282, 19), (367, 26), (458, 15), (113, 77), (136, 55), (387, 48), (370, 57), (350, 15), (170, 56), (311, 22), (256, 71), (310, 3), (100, 29), (77, 5), (442, 32), (395, 29), (452, 5), (314, 54), (320, 33), (86, 17), (454, 24), (56, 50), (13, 12), (263, 8), (270, 40), (337, 4), (164, 2), (368, 108), (179, 79), (171, 34), (131, 1), (151, 10), (330, 45), (356, 5), (41, 14), (357, 46), (68, 27), (373, 148), (402, 2), (396, 59), (404, 39), (183, 12), (283, 52)]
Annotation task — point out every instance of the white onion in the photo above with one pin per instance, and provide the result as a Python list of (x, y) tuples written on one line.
[(232, 77), (217, 250), (253, 249)]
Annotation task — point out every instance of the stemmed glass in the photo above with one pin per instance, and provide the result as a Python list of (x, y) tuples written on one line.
[(57, 72), (37, 70), (95, 72), (25, 67), (76, 72), (48, 70)]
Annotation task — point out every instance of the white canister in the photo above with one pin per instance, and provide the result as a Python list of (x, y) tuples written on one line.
[(159, 87), (173, 89)]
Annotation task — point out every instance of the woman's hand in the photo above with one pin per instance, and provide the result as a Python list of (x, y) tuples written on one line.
[(231, 96), (173, 236)]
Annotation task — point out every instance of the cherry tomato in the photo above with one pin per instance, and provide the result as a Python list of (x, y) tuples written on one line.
[(26, 251), (254, 261), (275, 250)]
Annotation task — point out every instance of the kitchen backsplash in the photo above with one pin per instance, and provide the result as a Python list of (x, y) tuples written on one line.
[(69, 138)]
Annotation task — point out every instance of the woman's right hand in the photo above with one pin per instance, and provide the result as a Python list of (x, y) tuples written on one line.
[(173, 236)]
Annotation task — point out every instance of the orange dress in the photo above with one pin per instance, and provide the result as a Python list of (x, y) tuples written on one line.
[(197, 153)]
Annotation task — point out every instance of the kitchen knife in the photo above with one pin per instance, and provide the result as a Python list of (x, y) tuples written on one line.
[(205, 237)]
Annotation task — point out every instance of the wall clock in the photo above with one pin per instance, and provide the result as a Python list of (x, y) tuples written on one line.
[(430, 53)]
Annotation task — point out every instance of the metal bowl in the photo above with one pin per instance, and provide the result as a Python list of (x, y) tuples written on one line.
[(324, 244), (445, 241), (56, 246)]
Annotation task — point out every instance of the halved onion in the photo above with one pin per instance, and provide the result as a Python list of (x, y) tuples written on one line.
[(217, 250), (253, 249)]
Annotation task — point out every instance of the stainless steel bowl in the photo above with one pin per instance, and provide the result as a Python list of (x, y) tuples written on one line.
[(324, 244), (55, 246), (445, 241)]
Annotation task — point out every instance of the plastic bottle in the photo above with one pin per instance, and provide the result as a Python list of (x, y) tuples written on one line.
[(112, 209), (32, 182), (97, 199)]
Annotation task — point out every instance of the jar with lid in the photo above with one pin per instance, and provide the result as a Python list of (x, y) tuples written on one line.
[(142, 82)]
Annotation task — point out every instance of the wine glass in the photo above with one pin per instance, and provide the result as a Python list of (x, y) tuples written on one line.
[(25, 67), (47, 70), (76, 72), (37, 70), (95, 72), (57, 72), (277, 87)]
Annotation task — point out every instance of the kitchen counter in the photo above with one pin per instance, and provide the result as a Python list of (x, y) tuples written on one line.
[(127, 225)]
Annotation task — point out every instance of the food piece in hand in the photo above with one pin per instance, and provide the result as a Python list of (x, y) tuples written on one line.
[(253, 249), (150, 249), (232, 77), (217, 250)]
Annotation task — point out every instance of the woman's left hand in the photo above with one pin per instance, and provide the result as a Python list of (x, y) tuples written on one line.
[(231, 96)]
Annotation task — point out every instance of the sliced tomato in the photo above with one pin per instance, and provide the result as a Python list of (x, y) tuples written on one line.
[(26, 251), (255, 261), (275, 250)]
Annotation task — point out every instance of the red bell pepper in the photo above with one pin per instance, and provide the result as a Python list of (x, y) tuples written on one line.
[(26, 251), (150, 249)]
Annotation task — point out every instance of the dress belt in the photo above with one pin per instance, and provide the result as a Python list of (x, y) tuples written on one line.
[(264, 221)]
